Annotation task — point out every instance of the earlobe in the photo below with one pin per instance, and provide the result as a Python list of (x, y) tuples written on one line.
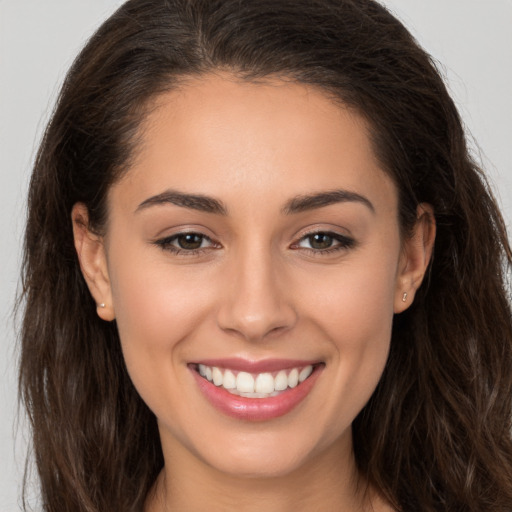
[(416, 255), (90, 249)]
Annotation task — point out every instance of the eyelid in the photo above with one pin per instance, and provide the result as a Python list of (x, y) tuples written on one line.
[(166, 243), (323, 227), (170, 230), (344, 242)]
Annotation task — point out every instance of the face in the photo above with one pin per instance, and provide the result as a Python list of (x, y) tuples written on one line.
[(253, 263)]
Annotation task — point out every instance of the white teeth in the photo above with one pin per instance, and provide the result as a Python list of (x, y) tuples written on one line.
[(264, 383), (229, 380), (281, 381), (293, 378), (305, 373), (217, 376), (261, 385), (245, 382)]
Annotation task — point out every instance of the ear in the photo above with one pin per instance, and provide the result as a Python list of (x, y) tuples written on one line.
[(416, 254), (90, 249)]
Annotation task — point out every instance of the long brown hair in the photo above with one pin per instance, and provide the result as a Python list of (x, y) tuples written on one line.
[(435, 435)]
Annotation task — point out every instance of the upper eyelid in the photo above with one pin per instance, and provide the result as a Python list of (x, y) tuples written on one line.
[(177, 231), (167, 240), (321, 227), (342, 241), (171, 238), (184, 233), (328, 231), (333, 234)]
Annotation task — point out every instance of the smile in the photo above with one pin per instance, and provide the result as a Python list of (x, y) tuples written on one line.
[(248, 394), (260, 385)]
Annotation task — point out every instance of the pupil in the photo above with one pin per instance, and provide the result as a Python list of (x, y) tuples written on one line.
[(190, 241), (320, 241)]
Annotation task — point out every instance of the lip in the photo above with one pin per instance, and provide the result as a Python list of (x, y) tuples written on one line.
[(256, 409)]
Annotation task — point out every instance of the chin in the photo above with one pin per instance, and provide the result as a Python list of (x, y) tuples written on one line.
[(271, 453), (265, 465)]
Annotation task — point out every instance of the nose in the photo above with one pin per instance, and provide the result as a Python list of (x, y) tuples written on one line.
[(256, 299)]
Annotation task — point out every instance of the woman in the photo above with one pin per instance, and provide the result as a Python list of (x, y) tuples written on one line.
[(233, 294)]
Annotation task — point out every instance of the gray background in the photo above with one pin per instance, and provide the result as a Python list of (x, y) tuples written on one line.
[(38, 40)]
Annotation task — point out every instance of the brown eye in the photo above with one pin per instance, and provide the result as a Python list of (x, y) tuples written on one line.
[(320, 241), (189, 241), (325, 242)]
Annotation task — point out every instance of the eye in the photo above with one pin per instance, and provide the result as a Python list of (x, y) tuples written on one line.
[(324, 242), (319, 241), (185, 242), (189, 241)]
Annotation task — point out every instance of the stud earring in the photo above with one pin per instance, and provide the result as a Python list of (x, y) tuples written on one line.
[(404, 297), (102, 305)]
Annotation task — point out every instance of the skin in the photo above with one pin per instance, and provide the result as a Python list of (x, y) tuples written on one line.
[(259, 289)]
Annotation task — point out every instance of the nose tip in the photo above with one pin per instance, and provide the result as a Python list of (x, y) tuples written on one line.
[(255, 325), (256, 306)]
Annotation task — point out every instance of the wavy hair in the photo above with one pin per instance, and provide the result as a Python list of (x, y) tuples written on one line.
[(435, 435)]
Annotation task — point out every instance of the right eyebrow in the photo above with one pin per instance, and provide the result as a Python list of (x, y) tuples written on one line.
[(193, 201)]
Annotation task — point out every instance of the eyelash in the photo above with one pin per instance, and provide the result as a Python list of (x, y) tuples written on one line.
[(341, 242), (167, 244)]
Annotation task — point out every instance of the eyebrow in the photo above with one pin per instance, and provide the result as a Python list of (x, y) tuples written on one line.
[(297, 204), (192, 201), (319, 200)]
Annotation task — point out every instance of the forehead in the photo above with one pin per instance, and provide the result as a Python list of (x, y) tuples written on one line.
[(220, 136)]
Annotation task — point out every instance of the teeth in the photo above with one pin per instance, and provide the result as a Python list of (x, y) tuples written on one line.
[(261, 385), (245, 382), (229, 380), (293, 378), (281, 381), (217, 376), (264, 383), (305, 373)]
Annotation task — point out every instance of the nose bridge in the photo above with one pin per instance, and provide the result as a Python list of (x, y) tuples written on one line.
[(255, 302)]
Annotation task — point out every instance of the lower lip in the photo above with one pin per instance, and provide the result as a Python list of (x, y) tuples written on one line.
[(256, 409)]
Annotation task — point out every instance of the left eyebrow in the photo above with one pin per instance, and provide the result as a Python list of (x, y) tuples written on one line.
[(319, 200)]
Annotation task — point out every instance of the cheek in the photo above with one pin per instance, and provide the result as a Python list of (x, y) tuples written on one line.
[(156, 308), (354, 309), (355, 302)]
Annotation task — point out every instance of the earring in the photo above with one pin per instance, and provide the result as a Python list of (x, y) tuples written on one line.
[(102, 305), (404, 297)]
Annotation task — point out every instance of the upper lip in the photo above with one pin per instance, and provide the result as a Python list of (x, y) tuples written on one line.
[(265, 365)]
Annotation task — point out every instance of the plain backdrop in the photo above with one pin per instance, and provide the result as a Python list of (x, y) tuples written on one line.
[(471, 39)]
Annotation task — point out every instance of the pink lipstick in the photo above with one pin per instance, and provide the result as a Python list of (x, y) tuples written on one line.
[(255, 391)]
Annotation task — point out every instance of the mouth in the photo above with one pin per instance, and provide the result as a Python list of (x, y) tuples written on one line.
[(238, 389), (255, 385)]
